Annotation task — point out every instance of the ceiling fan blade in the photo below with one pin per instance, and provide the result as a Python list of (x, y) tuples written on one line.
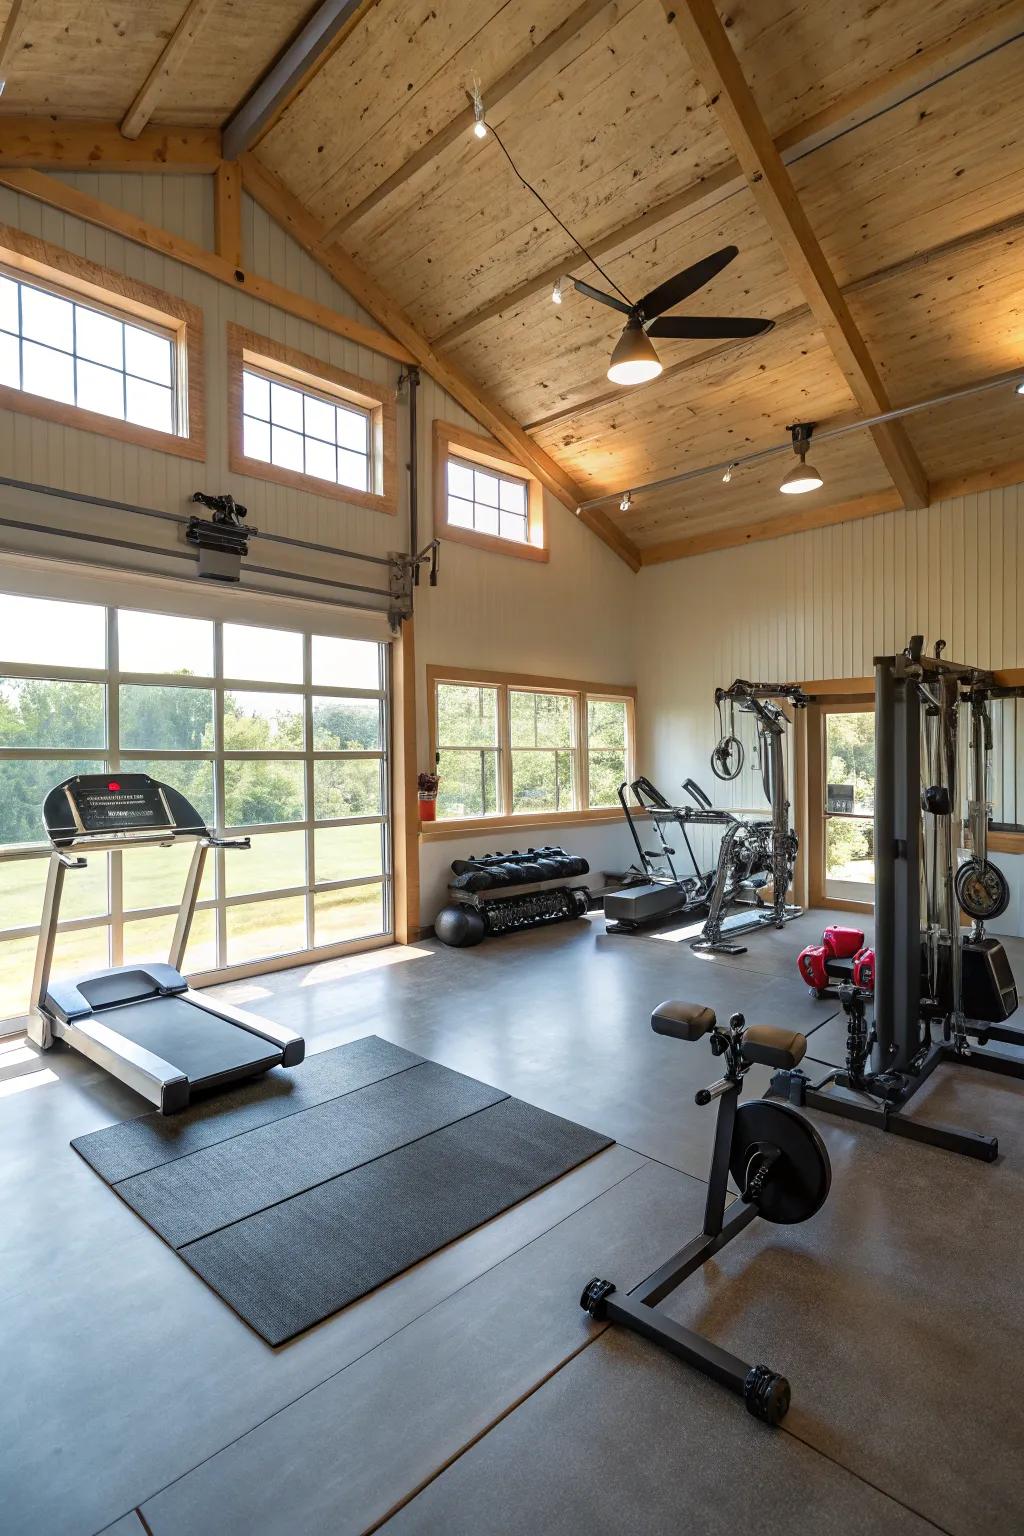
[(668, 294), (602, 298), (708, 327)]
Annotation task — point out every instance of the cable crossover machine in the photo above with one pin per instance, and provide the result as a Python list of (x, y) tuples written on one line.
[(940, 998), (753, 853)]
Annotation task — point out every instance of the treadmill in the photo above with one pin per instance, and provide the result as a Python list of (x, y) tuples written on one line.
[(143, 1024)]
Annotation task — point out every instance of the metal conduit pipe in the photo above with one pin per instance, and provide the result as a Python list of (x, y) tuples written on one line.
[(821, 435)]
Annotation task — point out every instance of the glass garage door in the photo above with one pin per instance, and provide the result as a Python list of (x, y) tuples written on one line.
[(277, 733)]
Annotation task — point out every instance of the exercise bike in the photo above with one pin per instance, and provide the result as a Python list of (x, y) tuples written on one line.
[(782, 1170)]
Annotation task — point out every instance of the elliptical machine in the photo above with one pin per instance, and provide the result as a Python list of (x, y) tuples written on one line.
[(782, 1170)]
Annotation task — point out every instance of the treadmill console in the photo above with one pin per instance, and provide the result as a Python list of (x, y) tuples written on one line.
[(129, 802), (114, 805)]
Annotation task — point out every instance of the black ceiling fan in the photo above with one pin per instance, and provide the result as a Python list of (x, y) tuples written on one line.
[(634, 359)]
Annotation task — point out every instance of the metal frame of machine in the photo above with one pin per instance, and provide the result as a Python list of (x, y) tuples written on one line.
[(919, 1023), (773, 839), (66, 1010)]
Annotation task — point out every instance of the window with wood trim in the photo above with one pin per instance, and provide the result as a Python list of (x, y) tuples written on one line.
[(483, 497), (301, 422), (91, 348), (523, 748)]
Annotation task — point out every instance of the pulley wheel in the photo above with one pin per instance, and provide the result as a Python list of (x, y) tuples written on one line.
[(727, 758), (981, 890), (798, 1181)]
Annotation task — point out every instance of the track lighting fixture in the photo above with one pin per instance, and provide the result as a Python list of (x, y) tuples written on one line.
[(804, 477), (626, 502), (479, 126), (1019, 388), (556, 292), (728, 472), (634, 359)]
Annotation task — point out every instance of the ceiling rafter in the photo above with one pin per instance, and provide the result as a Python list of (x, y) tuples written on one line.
[(49, 144), (174, 50), (282, 206), (462, 122), (928, 68), (325, 29), (11, 36), (701, 33), (57, 194), (991, 234)]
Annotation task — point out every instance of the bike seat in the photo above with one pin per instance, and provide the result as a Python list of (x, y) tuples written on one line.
[(683, 1021), (771, 1047)]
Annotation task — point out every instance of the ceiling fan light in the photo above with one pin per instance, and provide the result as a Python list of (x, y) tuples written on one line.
[(801, 478), (634, 360)]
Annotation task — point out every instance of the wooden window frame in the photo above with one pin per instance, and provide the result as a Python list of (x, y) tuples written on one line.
[(515, 681), (456, 442), (289, 366), (70, 276)]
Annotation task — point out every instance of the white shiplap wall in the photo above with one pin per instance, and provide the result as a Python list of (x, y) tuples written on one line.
[(568, 618), (818, 605)]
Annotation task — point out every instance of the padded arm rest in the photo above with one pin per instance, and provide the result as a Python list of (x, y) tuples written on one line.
[(683, 1021), (771, 1047)]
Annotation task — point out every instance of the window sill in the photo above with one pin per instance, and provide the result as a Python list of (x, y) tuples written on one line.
[(437, 831), (26, 404), (492, 543)]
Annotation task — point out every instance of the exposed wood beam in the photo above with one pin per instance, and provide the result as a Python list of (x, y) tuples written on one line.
[(57, 194), (324, 31), (700, 30), (462, 122), (694, 199), (971, 241), (48, 144), (973, 483), (282, 206), (925, 69), (227, 213), (174, 50), (11, 36)]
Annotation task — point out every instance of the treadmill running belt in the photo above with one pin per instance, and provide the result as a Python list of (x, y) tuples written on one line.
[(300, 1213), (200, 1043)]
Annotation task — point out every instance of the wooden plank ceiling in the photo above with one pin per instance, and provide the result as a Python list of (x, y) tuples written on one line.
[(900, 128)]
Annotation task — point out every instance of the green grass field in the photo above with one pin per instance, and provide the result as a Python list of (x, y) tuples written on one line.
[(155, 877)]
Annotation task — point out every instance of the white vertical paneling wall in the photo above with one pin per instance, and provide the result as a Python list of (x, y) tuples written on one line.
[(568, 618), (818, 605)]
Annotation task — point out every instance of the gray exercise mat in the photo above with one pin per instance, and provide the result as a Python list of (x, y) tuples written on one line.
[(120, 1151), (296, 1263), (292, 1204), (194, 1196)]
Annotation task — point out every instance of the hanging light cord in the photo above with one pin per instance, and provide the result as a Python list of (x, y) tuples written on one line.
[(547, 207)]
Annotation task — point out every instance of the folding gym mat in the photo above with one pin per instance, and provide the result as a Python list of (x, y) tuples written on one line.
[(295, 1195)]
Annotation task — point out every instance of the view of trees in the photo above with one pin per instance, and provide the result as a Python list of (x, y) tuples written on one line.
[(68, 716), (542, 745), (850, 759)]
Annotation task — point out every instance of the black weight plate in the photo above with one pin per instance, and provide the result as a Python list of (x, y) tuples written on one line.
[(799, 1181), (981, 890)]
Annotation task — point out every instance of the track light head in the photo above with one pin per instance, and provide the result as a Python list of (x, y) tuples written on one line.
[(626, 502), (1019, 387), (803, 477), (479, 126), (727, 477), (556, 292), (634, 360)]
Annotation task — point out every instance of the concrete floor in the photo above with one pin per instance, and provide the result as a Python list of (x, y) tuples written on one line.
[(471, 1394)]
